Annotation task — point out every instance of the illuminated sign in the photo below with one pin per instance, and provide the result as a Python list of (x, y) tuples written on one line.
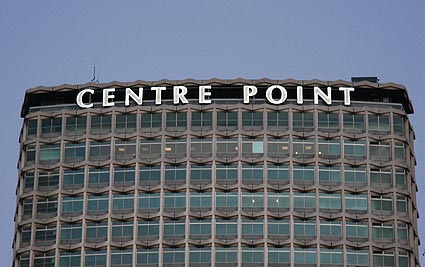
[(204, 95)]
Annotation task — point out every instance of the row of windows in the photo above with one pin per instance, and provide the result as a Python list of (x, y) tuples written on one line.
[(151, 175), (309, 255), (301, 121), (126, 150), (71, 206)]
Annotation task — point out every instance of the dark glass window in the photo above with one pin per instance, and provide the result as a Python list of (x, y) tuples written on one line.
[(31, 128), (126, 123), (51, 127), (150, 121), (201, 119), (227, 119), (76, 125), (277, 119), (73, 178), (252, 119), (302, 121), (176, 120), (75, 152), (100, 124), (354, 122)]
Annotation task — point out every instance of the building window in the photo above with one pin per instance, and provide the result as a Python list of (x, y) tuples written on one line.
[(150, 149), (32, 128), (28, 181), (400, 151), (304, 200), (330, 201), (278, 228), (402, 232), (227, 120), (382, 231), (329, 149), (71, 233), (51, 127), (70, 258), (302, 121), (277, 120), (200, 200), (358, 257), (305, 255), (303, 174), (97, 204), (380, 151), (173, 255), (47, 207), (29, 155), (72, 205), (121, 257), (147, 256), (150, 175), (354, 149), (98, 177), (174, 228), (401, 204), (122, 203), (398, 123), (148, 229), (330, 229), (279, 255), (252, 255), (329, 175), (126, 123), (252, 173), (95, 258), (26, 236), (175, 173), (27, 208), (73, 179), (100, 124), (227, 147), (331, 256), (379, 124), (278, 173), (252, 120), (381, 177), (200, 173), (24, 260), (226, 172), (403, 259), (44, 259), (328, 122), (278, 148), (176, 120), (151, 121), (200, 255), (75, 152), (226, 200), (383, 259), (175, 200), (125, 149), (252, 147), (175, 148), (76, 125), (355, 202), (50, 154), (226, 228), (201, 147), (354, 122), (100, 150), (226, 255), (124, 176), (355, 175), (201, 120), (96, 232), (278, 200), (200, 228), (45, 235), (149, 201), (382, 203), (122, 231), (48, 181), (303, 148), (252, 200)]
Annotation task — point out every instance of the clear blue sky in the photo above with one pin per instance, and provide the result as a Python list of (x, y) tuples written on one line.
[(56, 42)]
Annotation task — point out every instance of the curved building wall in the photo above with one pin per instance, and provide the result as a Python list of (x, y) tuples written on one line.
[(225, 184)]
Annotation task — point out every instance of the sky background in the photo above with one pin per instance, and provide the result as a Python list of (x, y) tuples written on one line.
[(55, 42)]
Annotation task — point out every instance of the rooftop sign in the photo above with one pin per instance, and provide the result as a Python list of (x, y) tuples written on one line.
[(275, 94)]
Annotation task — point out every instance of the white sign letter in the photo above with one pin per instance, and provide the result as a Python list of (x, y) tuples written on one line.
[(158, 94), (283, 94), (300, 98), (179, 93), (203, 94), (130, 94), (107, 96), (347, 90), (248, 90), (326, 97), (80, 98)]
